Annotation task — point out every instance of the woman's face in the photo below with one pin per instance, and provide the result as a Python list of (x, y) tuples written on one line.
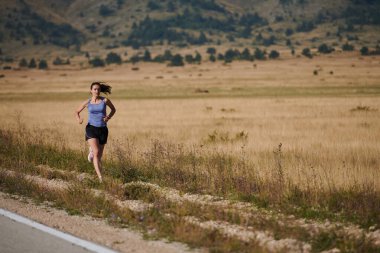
[(95, 90)]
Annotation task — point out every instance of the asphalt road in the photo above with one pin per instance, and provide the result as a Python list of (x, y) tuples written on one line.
[(20, 237)]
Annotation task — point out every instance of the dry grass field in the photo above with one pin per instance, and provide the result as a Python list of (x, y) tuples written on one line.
[(328, 123), (290, 126)]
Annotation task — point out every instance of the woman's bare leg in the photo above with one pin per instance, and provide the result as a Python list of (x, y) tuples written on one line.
[(95, 146), (101, 149)]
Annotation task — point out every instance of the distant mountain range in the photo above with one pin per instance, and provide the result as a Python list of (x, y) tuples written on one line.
[(77, 26)]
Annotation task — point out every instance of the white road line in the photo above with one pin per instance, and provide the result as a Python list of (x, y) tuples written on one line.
[(72, 239)]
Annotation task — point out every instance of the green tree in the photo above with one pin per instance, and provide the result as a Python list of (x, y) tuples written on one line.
[(306, 52), (159, 58), (189, 58), (364, 51), (57, 61), (105, 11), (198, 57), (259, 54), (147, 56), (246, 55), (229, 55), (168, 55), (325, 49), (42, 64), (269, 41), (23, 63), (113, 58), (176, 61), (202, 39), (348, 47), (212, 58), (32, 64), (211, 50), (97, 62), (274, 54)]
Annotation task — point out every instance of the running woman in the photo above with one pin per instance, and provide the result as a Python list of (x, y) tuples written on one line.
[(96, 129)]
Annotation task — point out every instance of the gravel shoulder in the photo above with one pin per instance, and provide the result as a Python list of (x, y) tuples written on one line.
[(88, 228)]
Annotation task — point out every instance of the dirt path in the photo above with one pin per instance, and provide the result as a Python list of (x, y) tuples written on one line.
[(88, 228)]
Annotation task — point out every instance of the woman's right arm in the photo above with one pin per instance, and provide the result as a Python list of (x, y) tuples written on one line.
[(78, 111)]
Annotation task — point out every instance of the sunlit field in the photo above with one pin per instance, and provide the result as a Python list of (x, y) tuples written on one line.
[(327, 122)]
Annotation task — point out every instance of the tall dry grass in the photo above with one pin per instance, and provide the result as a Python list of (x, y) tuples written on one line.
[(328, 140), (208, 168)]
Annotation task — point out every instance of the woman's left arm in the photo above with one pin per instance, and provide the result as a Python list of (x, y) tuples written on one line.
[(113, 110)]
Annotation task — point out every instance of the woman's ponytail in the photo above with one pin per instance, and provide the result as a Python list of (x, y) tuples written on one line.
[(105, 88)]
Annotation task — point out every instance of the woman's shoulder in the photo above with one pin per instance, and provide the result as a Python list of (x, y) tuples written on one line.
[(84, 103)]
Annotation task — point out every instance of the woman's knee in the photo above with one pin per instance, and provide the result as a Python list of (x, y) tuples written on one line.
[(96, 152)]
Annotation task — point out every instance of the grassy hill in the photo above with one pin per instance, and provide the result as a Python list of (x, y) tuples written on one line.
[(44, 28)]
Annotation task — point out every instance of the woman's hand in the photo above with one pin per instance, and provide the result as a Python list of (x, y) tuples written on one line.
[(106, 118), (80, 108)]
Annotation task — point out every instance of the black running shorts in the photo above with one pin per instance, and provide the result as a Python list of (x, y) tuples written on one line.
[(100, 133)]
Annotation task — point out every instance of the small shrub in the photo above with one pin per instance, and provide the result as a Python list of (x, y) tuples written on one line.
[(211, 50), (189, 58), (176, 61), (274, 54), (198, 57), (105, 11), (97, 62), (259, 54), (159, 58), (23, 63), (364, 51), (134, 59), (325, 49), (32, 64), (348, 47), (289, 32), (147, 56), (113, 58), (306, 52), (42, 64)]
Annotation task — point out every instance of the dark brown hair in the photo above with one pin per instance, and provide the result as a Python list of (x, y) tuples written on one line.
[(105, 88)]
